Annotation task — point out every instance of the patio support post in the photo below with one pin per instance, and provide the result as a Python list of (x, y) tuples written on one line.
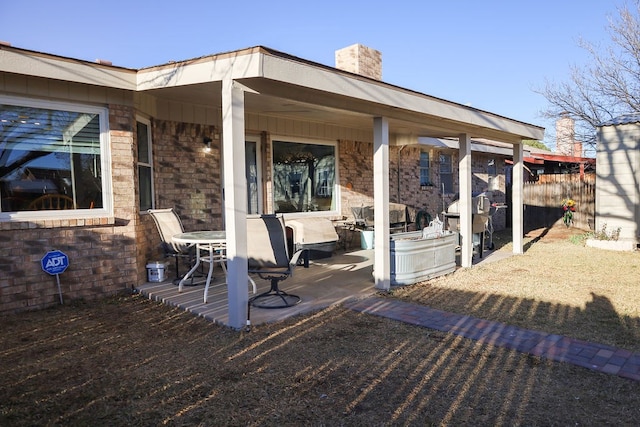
[(517, 199), (382, 246), (464, 172), (235, 203)]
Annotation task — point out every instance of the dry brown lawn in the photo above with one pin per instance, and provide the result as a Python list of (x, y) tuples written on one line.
[(558, 285), (127, 361)]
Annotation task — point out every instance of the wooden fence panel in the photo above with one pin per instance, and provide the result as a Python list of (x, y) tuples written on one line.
[(543, 200)]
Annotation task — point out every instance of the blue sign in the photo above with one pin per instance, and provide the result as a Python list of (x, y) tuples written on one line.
[(55, 262)]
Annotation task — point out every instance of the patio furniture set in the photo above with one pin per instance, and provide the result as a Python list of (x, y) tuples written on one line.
[(268, 254)]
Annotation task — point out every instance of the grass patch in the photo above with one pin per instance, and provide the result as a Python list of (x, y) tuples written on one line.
[(128, 361)]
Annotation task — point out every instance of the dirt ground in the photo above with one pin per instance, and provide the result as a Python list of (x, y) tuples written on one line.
[(128, 361)]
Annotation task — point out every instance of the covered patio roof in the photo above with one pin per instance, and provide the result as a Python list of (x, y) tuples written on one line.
[(281, 85), (240, 89)]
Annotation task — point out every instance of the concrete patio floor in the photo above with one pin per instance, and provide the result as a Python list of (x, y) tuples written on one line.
[(342, 277)]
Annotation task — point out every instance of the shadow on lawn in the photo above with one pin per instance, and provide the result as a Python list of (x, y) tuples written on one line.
[(86, 365), (598, 322)]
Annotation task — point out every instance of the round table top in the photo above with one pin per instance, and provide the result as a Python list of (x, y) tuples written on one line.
[(200, 237)]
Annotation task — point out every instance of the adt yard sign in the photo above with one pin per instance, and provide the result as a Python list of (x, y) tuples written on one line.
[(55, 262)]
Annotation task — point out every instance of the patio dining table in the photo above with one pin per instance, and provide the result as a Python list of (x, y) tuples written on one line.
[(212, 243)]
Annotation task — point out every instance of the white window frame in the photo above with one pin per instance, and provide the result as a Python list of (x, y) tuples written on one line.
[(105, 163), (450, 173), (149, 165), (336, 185)]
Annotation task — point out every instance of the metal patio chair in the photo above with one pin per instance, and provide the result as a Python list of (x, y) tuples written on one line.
[(268, 257), (169, 224)]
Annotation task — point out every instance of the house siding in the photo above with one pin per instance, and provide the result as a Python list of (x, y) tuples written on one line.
[(617, 176)]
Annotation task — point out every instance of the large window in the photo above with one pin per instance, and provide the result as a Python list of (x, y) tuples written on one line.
[(145, 168), (51, 157), (446, 173), (304, 177)]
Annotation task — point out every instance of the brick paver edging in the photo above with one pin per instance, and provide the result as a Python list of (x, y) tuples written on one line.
[(598, 357)]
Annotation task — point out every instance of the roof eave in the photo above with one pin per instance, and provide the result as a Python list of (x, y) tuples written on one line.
[(37, 64)]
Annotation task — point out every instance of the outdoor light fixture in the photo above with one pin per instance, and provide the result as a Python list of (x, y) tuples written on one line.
[(207, 144)]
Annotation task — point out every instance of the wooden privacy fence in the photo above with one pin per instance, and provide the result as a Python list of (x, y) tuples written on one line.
[(543, 200)]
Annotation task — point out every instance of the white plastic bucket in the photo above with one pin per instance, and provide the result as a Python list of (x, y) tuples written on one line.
[(156, 271), (366, 239)]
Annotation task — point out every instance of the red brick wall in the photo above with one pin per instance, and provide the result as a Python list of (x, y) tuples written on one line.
[(187, 178), (356, 175), (101, 251), (356, 179)]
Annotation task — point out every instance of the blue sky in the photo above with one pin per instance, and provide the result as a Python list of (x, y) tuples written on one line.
[(488, 54)]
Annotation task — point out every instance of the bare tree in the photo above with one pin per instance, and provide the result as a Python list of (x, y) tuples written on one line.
[(606, 88)]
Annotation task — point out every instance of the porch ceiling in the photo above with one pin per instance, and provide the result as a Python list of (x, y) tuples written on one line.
[(275, 99), (293, 88)]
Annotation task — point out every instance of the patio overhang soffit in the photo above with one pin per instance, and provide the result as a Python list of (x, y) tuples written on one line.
[(289, 87)]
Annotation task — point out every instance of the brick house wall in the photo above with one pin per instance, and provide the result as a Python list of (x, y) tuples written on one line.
[(108, 255), (356, 175), (356, 179), (185, 176), (102, 251)]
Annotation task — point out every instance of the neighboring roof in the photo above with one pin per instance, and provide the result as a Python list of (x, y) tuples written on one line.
[(625, 119), (539, 156), (282, 85)]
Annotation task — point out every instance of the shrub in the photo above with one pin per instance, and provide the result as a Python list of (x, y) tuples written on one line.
[(604, 234)]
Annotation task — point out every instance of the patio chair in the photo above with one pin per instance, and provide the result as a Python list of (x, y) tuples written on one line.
[(51, 202), (268, 257), (169, 224)]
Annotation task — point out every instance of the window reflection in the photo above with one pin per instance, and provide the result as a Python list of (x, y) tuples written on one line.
[(304, 177), (49, 159)]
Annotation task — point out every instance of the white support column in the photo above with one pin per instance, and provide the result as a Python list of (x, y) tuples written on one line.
[(235, 206), (381, 259), (464, 173), (517, 200)]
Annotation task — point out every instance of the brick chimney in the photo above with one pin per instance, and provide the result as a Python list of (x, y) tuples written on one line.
[(361, 60), (566, 143)]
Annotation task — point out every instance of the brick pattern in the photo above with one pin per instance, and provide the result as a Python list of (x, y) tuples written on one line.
[(186, 177), (361, 60), (356, 179), (356, 174), (101, 251), (594, 356)]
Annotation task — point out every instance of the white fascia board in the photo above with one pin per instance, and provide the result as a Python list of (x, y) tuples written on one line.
[(476, 146), (296, 73), (58, 68), (203, 70)]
